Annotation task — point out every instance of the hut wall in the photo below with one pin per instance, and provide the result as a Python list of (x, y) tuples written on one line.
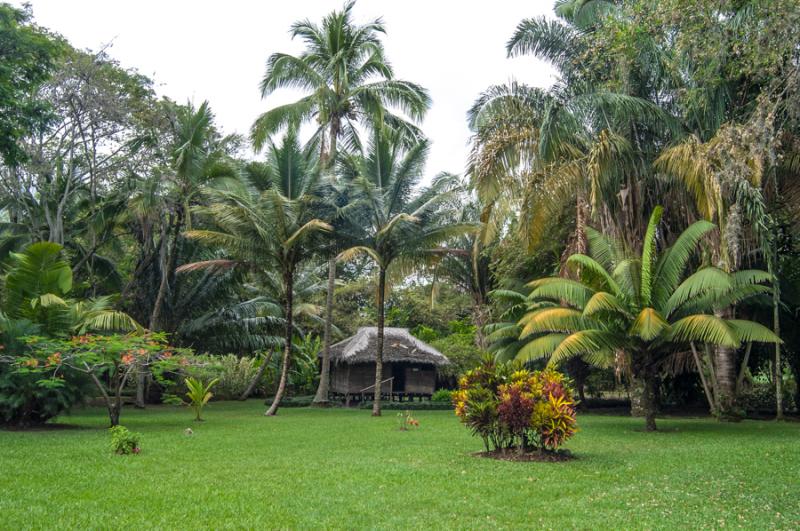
[(420, 380), (361, 375), (408, 378)]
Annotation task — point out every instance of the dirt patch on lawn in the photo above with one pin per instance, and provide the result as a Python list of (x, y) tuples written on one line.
[(537, 455)]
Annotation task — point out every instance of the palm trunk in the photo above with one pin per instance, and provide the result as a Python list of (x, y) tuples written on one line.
[(257, 378), (288, 280), (321, 398), (725, 369), (649, 399), (776, 323), (480, 317), (376, 404), (167, 259), (712, 403)]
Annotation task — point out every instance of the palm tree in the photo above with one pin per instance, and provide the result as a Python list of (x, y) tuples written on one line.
[(726, 176), (349, 83), (268, 227), (537, 152), (199, 157), (401, 223), (349, 80), (641, 307)]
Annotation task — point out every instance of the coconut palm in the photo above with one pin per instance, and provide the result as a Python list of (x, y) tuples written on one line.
[(641, 307), (266, 227), (199, 157), (349, 83), (401, 223)]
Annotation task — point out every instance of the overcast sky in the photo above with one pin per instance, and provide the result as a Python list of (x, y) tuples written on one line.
[(216, 51)]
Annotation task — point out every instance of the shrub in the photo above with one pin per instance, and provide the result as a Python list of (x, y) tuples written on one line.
[(25, 402), (233, 372), (512, 408), (293, 401), (760, 398), (124, 441), (442, 395), (462, 352)]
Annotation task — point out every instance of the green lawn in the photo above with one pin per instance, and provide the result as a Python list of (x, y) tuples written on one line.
[(344, 469)]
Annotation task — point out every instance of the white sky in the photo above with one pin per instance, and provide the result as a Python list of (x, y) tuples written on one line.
[(217, 51)]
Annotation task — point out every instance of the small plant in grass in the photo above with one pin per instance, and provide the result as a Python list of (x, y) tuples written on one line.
[(512, 408), (199, 394), (407, 421), (124, 441)]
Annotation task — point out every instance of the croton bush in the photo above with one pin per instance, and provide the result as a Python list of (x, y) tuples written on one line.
[(510, 407)]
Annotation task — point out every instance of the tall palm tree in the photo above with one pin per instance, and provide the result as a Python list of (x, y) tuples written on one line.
[(349, 80), (587, 141), (199, 156), (401, 223), (268, 227), (642, 307), (349, 83)]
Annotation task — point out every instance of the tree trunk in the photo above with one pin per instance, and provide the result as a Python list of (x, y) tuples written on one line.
[(776, 324), (480, 317), (141, 380), (257, 378), (578, 370), (650, 399), (725, 369), (376, 404), (712, 403), (288, 281), (113, 414), (321, 398), (163, 285)]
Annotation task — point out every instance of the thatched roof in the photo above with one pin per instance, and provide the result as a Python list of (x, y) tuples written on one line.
[(398, 346)]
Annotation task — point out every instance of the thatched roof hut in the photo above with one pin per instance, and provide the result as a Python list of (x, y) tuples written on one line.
[(409, 364), (398, 346)]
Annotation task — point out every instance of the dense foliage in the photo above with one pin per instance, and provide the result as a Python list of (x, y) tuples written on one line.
[(138, 213)]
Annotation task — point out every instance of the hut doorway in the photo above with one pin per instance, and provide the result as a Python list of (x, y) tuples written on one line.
[(399, 375)]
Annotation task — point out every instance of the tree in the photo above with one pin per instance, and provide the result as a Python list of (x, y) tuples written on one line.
[(401, 223), (351, 84), (199, 157), (266, 228), (28, 55), (108, 360), (36, 302), (643, 307)]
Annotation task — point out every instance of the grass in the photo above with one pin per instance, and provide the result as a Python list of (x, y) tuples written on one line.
[(343, 469)]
